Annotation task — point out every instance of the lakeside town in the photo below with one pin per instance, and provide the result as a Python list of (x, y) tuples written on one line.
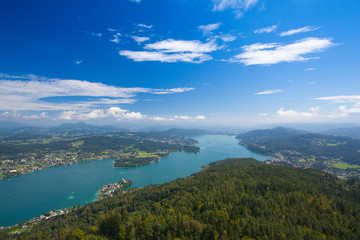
[(22, 156)]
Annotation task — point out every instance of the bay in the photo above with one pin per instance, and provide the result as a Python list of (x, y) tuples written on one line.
[(28, 196)]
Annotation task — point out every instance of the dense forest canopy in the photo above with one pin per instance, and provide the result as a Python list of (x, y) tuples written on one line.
[(229, 199)]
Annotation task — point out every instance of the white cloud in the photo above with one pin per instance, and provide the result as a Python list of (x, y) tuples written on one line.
[(207, 29), (140, 40), (134, 116), (98, 35), (183, 117), (173, 90), (141, 56), (171, 50), (95, 114), (263, 114), (227, 37), (341, 99), (116, 38), (113, 112), (34, 116), (120, 114), (31, 92), (268, 29), (144, 26), (67, 115), (116, 112), (291, 115), (310, 69), (113, 30), (157, 118), (272, 53), (171, 45), (10, 115), (239, 6), (269, 92), (137, 1), (343, 111), (299, 30), (79, 62)]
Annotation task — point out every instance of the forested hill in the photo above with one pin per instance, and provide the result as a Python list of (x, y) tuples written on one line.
[(353, 132), (338, 155), (270, 134), (230, 199)]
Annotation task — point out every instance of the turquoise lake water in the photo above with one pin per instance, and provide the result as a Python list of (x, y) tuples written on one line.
[(28, 196)]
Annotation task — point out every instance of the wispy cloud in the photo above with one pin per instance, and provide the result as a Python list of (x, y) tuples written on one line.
[(350, 105), (178, 118), (228, 37), (269, 92), (33, 93), (98, 35), (268, 29), (136, 1), (272, 53), (116, 38), (140, 40), (341, 98), (309, 69), (239, 7), (171, 50), (207, 29), (299, 30), (141, 56), (142, 25), (171, 45)]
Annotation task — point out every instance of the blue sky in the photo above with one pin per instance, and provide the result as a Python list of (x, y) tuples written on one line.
[(179, 62)]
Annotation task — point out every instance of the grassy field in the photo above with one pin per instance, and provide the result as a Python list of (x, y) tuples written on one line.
[(332, 144), (312, 158), (344, 166), (146, 154)]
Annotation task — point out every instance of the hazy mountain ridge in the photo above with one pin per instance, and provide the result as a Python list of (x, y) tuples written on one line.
[(353, 132)]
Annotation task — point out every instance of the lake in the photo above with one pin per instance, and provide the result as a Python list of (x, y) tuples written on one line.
[(27, 196)]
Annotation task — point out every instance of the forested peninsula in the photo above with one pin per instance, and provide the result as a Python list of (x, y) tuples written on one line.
[(334, 154)]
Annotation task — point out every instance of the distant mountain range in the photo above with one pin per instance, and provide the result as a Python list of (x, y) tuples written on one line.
[(353, 132), (186, 132), (81, 126), (13, 128)]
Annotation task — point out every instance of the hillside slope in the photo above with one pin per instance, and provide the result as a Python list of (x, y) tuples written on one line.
[(230, 199)]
